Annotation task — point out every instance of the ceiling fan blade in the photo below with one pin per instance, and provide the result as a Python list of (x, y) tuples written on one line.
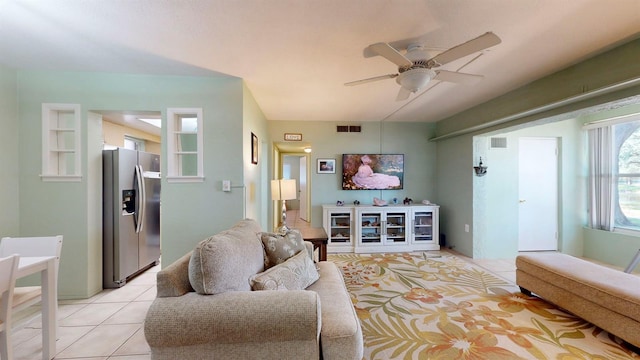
[(363, 81), (385, 50), (480, 43), (403, 94), (457, 77)]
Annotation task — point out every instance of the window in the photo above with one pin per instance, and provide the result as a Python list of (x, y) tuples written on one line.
[(184, 143), (627, 151), (133, 143), (614, 173), (61, 142)]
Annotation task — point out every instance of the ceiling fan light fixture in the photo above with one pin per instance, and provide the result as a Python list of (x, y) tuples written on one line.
[(415, 79)]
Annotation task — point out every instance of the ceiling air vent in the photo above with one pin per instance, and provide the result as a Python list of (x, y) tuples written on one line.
[(498, 143)]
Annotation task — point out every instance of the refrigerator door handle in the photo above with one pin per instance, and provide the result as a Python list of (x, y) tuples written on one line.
[(142, 199)]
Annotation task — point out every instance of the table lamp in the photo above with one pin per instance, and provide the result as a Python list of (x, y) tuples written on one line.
[(284, 189)]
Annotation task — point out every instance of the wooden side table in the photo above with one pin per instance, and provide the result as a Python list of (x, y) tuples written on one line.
[(318, 237)]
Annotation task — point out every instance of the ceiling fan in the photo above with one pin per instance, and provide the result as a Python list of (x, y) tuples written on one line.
[(416, 66)]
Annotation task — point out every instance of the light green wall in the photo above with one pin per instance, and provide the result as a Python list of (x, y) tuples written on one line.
[(256, 177), (456, 187), (190, 212), (496, 194), (410, 139), (9, 161), (94, 142), (610, 247)]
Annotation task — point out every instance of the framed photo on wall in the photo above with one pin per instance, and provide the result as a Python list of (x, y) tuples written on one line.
[(254, 149), (326, 166)]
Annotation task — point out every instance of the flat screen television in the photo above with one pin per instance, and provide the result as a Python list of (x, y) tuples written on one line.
[(372, 172)]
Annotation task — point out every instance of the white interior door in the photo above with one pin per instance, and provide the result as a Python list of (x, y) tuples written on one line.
[(304, 215), (538, 192)]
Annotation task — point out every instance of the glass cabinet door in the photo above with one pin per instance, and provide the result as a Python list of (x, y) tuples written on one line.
[(423, 226), (395, 226), (340, 228), (370, 228)]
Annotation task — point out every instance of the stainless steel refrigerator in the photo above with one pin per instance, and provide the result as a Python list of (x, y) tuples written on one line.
[(131, 214)]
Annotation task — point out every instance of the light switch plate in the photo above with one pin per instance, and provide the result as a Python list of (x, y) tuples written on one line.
[(226, 185)]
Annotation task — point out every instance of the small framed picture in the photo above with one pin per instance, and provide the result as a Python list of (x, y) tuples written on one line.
[(254, 148), (326, 166)]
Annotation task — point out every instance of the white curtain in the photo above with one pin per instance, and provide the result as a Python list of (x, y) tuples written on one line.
[(601, 179)]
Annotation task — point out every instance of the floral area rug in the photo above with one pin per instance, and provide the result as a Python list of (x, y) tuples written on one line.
[(434, 305)]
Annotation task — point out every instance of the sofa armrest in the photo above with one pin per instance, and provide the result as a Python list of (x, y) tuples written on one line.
[(233, 317), (174, 279)]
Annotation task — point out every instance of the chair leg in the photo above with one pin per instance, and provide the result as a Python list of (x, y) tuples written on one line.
[(6, 347)]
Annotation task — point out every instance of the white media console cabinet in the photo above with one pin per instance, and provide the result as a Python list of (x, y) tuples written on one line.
[(391, 228)]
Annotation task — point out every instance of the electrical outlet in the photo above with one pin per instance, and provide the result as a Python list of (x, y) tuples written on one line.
[(226, 185), (466, 227)]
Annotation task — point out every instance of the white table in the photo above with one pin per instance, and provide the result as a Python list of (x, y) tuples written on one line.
[(46, 266)]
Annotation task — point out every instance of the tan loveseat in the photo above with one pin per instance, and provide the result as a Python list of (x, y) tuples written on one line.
[(238, 323), (607, 298)]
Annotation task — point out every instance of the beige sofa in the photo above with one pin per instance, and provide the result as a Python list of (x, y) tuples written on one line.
[(607, 298), (238, 323)]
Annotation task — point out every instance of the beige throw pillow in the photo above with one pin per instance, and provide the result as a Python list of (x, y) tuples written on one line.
[(297, 273), (224, 262), (278, 248)]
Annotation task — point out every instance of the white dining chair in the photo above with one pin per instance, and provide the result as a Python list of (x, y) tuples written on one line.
[(8, 272), (25, 296)]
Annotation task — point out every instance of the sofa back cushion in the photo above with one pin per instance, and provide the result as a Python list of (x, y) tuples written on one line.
[(225, 261)]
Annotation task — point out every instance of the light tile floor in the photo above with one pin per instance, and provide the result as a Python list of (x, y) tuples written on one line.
[(109, 325)]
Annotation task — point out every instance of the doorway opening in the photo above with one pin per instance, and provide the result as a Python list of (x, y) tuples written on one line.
[(135, 130), (128, 143), (293, 162)]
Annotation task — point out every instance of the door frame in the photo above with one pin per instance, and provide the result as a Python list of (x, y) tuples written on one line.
[(278, 171)]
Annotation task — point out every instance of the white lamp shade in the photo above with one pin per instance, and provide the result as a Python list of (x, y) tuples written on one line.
[(284, 189)]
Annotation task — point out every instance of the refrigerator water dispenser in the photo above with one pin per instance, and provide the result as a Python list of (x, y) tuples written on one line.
[(128, 202)]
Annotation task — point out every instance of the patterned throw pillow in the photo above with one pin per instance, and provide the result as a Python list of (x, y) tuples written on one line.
[(297, 273), (279, 248)]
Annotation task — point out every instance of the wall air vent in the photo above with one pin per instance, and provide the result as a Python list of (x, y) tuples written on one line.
[(349, 128), (498, 143)]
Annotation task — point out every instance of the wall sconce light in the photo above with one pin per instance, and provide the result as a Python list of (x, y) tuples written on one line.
[(480, 170), (307, 150)]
